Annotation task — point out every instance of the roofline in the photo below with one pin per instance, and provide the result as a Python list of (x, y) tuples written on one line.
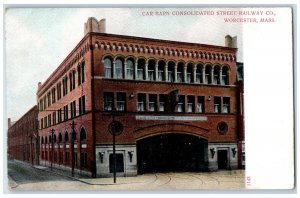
[(162, 40), (15, 122)]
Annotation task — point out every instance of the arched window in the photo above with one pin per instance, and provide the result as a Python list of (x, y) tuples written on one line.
[(189, 73), (161, 71), (171, 73), (82, 134), (80, 72), (141, 69), (46, 140), (108, 68), (42, 140), (180, 72), (74, 136), (151, 70), (225, 76), (208, 74), (66, 137), (119, 68), (130, 69), (198, 74), (216, 75), (59, 137)]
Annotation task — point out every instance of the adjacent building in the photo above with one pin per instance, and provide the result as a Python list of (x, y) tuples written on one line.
[(175, 106), (22, 138)]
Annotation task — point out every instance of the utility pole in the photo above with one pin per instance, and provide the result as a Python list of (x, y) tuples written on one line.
[(72, 146), (52, 149)]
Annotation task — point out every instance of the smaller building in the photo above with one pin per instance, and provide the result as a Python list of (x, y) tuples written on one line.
[(23, 139)]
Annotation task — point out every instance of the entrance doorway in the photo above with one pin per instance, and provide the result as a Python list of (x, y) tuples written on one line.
[(119, 163), (222, 159), (171, 152)]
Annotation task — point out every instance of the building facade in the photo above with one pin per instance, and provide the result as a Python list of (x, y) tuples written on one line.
[(22, 138), (176, 106)]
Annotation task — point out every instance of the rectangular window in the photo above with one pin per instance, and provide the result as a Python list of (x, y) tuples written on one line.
[(152, 102), (200, 105), (54, 118), (121, 101), (141, 102), (58, 87), (49, 99), (108, 101), (217, 104), (180, 104), (65, 86), (162, 99), (82, 105), (53, 92), (226, 105), (73, 109), (66, 113), (191, 104), (44, 103)]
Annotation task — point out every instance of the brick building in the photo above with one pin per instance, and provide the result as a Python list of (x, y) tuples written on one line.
[(22, 138), (177, 104)]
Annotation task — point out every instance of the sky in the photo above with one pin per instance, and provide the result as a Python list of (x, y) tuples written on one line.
[(38, 39)]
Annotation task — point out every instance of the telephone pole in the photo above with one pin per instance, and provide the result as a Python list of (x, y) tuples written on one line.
[(72, 146), (52, 149)]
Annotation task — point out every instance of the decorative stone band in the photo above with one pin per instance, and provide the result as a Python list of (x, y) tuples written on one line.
[(175, 118)]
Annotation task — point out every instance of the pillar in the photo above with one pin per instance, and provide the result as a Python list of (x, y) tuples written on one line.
[(125, 70), (220, 76), (175, 72), (184, 73), (114, 69), (156, 71), (212, 75), (166, 72), (194, 73), (146, 70), (203, 74), (135, 70)]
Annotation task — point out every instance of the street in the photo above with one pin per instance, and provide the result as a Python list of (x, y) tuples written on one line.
[(23, 177)]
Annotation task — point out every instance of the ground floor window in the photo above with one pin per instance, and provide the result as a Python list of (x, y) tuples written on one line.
[(83, 160), (119, 163)]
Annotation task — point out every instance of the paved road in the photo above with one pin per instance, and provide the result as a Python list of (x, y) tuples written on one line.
[(23, 177)]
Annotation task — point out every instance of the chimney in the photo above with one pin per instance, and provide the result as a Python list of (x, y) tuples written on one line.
[(9, 122), (230, 41), (93, 25), (39, 85)]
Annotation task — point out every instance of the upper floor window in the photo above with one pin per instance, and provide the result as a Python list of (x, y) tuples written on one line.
[(171, 66), (151, 70), (45, 102), (225, 76), (73, 109), (217, 104), (207, 75), (200, 104), (54, 118), (108, 101), (129, 69), (58, 87), (121, 101), (181, 104), (191, 104), (49, 99), (180, 72), (140, 69), (66, 113), (53, 94), (82, 105), (119, 68), (108, 68), (198, 74), (80, 71), (162, 102), (141, 102), (161, 71), (152, 102), (65, 85), (72, 79), (226, 105)]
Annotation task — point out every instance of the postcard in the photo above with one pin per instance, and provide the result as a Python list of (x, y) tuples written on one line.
[(149, 98)]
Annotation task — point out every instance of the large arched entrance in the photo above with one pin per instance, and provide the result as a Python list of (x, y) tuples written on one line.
[(171, 152)]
